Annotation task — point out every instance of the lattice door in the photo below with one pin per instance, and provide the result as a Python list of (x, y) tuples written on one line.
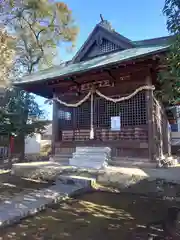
[(132, 115)]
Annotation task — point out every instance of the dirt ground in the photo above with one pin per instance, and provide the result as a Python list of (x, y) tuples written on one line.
[(11, 186), (91, 216)]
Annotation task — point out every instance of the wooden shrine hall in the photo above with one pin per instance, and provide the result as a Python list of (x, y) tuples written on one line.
[(105, 96)]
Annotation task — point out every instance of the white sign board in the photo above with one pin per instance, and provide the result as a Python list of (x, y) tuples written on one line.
[(116, 123)]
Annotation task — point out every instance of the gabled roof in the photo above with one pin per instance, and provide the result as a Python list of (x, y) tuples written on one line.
[(103, 31), (161, 41), (98, 62), (88, 58)]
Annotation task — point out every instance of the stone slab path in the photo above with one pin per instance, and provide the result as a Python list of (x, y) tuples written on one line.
[(15, 209)]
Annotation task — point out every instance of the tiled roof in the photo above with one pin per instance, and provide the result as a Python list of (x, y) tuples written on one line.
[(163, 41), (98, 62)]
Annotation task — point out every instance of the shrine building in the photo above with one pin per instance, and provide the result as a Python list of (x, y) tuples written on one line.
[(105, 96)]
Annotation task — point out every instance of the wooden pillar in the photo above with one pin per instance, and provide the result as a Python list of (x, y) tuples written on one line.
[(150, 121), (74, 122), (55, 130), (167, 136)]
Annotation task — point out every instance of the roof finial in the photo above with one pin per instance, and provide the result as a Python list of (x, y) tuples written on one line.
[(104, 23), (102, 19)]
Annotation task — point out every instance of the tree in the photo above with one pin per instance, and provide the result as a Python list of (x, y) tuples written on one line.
[(21, 116), (6, 57), (39, 26), (170, 77), (172, 12)]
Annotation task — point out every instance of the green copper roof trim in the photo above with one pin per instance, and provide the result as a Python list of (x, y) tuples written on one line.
[(109, 59), (144, 44)]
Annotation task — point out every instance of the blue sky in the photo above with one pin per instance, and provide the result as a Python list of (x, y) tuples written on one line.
[(135, 19)]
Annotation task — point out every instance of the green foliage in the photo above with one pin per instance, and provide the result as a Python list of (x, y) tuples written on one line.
[(170, 77), (171, 11), (6, 59), (40, 26), (21, 114)]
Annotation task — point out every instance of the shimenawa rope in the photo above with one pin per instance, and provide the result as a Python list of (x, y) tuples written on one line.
[(115, 100)]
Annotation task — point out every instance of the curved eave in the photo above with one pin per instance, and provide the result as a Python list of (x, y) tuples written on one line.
[(41, 87)]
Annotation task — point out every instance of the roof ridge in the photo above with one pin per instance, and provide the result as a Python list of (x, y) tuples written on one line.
[(107, 25), (149, 39)]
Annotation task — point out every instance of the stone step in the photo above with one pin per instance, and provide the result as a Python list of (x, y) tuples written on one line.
[(91, 165), (90, 157), (77, 180)]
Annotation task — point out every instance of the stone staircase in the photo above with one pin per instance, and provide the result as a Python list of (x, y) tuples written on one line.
[(90, 157)]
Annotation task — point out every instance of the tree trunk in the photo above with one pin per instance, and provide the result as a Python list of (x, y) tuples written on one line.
[(22, 148), (22, 136)]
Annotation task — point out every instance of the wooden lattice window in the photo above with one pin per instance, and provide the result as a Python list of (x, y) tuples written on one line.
[(66, 115), (98, 48), (108, 46), (132, 112), (65, 118), (82, 116)]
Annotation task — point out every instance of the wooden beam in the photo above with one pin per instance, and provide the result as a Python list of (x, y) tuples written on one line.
[(116, 76), (93, 74)]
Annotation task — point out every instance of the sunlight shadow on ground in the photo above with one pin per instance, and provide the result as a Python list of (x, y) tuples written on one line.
[(90, 216), (12, 186)]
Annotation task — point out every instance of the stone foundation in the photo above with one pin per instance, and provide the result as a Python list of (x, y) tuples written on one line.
[(155, 182)]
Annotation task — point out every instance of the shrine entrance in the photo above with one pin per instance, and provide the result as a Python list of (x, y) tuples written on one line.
[(104, 96), (98, 119)]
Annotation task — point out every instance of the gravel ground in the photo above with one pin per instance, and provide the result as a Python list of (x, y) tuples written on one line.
[(91, 217)]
